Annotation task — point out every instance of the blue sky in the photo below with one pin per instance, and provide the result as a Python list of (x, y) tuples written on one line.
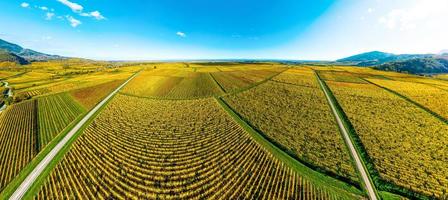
[(207, 29)]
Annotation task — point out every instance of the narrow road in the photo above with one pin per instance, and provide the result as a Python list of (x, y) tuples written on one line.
[(29, 180), (361, 169)]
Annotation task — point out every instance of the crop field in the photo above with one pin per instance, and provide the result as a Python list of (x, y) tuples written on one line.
[(88, 97), (173, 84), (55, 112), (341, 77), (136, 149), (442, 76), (429, 96), (299, 119), (222, 130), (18, 139), (6, 74), (297, 76), (406, 144)]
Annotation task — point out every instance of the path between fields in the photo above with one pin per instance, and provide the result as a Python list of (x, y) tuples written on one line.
[(37, 171), (362, 170)]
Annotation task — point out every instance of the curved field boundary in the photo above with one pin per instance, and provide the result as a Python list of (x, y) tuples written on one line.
[(342, 123), (40, 170), (318, 178)]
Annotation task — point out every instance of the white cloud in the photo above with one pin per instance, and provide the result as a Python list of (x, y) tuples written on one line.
[(49, 15), (417, 14), (181, 34), (73, 22), (43, 8), (95, 14), (370, 10), (25, 5), (74, 6)]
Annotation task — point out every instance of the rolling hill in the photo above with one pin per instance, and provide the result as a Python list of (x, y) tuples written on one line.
[(408, 63), (11, 57), (27, 54), (377, 58), (417, 66)]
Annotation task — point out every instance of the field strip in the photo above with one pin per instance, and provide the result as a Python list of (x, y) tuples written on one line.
[(217, 83), (439, 117), (37, 171), (370, 187), (294, 164), (255, 84)]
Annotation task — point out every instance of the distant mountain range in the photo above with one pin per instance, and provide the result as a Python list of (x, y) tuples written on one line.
[(10, 57), (409, 63), (9, 50)]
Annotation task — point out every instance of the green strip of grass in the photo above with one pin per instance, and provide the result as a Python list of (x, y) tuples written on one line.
[(335, 185)]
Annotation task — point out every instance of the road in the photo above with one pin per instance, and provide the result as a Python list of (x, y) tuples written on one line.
[(362, 170), (29, 180)]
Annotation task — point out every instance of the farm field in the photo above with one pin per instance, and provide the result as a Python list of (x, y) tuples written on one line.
[(29, 126), (18, 139), (429, 96), (406, 144), (232, 81), (55, 112), (185, 83), (297, 117), (138, 150), (165, 135)]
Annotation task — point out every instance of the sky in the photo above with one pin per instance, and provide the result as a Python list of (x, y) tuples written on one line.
[(225, 29)]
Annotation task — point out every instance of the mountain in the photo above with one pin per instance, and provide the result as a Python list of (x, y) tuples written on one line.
[(377, 58), (11, 57), (417, 66), (28, 54)]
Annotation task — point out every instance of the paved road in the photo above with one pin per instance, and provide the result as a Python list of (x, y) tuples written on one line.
[(362, 170), (29, 180)]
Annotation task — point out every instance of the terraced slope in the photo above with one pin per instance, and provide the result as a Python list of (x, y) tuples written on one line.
[(162, 149)]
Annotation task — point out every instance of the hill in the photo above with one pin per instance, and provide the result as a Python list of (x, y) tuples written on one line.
[(377, 58), (11, 57), (417, 66), (26, 53)]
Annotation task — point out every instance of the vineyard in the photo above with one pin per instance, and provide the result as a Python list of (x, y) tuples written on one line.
[(187, 149), (298, 118), (88, 97), (173, 84), (55, 112), (406, 144), (185, 131), (18, 139), (231, 81), (428, 96)]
